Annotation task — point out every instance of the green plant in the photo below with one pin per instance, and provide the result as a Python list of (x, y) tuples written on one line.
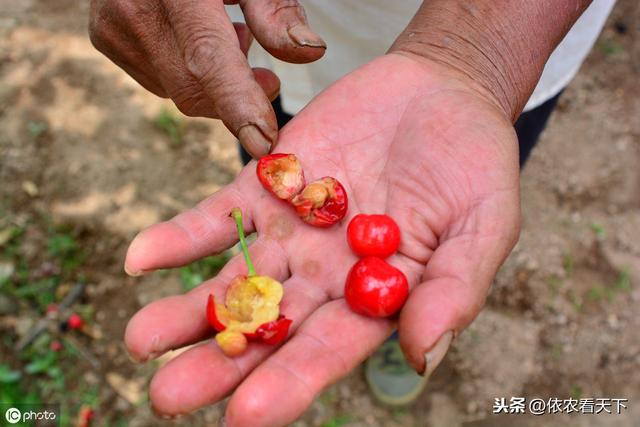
[(64, 248), (599, 230), (576, 301), (36, 128), (610, 47), (194, 274), (568, 263), (576, 392), (337, 421), (170, 124), (623, 282), (596, 293)]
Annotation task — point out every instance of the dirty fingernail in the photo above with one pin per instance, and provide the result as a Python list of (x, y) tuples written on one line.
[(133, 273), (137, 245), (433, 357), (303, 36), (254, 141)]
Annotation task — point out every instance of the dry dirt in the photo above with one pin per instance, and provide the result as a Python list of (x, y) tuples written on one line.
[(558, 323)]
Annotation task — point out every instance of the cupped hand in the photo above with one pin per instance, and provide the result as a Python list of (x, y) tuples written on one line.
[(192, 53), (406, 137)]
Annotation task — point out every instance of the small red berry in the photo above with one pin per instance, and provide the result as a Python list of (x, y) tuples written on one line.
[(281, 174), (55, 346), (75, 321), (322, 203), (375, 288), (373, 235)]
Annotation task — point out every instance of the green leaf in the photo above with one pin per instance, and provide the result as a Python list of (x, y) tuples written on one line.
[(7, 375), (41, 364), (338, 421)]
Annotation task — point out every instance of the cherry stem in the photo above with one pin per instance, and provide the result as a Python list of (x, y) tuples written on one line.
[(236, 213)]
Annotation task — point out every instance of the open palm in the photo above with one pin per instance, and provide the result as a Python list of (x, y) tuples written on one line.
[(406, 138)]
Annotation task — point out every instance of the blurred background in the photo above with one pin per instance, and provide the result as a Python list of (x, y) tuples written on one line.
[(88, 158)]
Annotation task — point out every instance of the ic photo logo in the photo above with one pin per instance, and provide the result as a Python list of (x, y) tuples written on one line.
[(13, 415)]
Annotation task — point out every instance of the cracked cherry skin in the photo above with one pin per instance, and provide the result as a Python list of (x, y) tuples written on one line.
[(321, 203), (250, 313), (373, 235), (375, 288), (281, 174), (251, 309)]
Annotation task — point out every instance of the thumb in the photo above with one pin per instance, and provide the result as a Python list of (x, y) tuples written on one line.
[(213, 54), (281, 27), (455, 284)]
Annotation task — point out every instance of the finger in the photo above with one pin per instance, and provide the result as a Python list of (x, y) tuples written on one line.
[(245, 38), (204, 230), (454, 288), (180, 320), (281, 27), (203, 375), (330, 343), (211, 53), (268, 81)]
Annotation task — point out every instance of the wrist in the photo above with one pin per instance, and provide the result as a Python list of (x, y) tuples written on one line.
[(499, 48)]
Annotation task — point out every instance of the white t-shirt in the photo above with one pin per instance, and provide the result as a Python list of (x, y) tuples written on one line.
[(357, 31)]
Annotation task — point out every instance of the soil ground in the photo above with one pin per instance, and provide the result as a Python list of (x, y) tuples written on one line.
[(88, 158)]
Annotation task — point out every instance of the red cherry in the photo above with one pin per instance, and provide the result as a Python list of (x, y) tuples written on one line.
[(321, 203), (375, 288), (75, 321), (281, 174), (373, 235)]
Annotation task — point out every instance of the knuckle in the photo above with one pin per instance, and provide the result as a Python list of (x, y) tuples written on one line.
[(288, 6), (200, 54)]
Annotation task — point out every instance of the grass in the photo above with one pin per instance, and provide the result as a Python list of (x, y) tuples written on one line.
[(554, 284), (337, 421), (31, 281), (576, 392), (568, 264), (576, 301), (171, 125), (36, 128), (610, 47), (597, 293), (194, 274), (599, 230), (623, 282)]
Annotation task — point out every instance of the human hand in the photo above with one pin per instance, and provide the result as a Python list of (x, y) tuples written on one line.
[(406, 137), (193, 54)]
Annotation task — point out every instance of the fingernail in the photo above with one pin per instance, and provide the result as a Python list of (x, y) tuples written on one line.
[(168, 417), (131, 273), (303, 36), (254, 141), (433, 357), (135, 246)]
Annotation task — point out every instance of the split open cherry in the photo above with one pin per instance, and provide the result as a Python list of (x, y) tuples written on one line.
[(375, 288), (373, 235), (251, 309), (281, 174), (321, 203)]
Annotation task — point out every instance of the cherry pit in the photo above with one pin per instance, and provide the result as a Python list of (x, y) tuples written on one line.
[(320, 203), (251, 307)]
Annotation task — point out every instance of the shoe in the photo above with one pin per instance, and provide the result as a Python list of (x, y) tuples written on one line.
[(391, 379)]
